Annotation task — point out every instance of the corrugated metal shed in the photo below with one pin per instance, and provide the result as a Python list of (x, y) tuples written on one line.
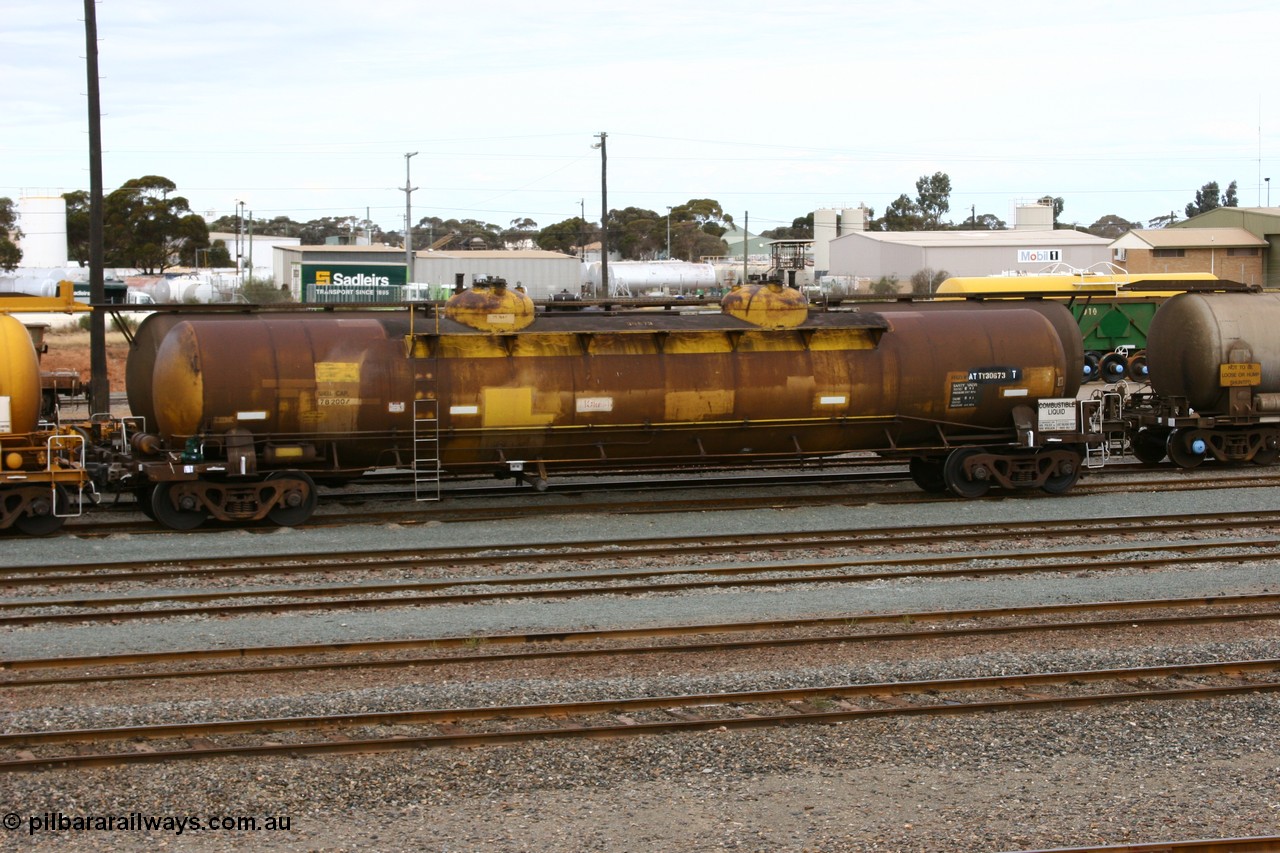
[(542, 273), (901, 254)]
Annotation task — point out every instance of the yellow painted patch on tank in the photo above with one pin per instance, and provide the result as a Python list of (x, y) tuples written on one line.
[(337, 371), (698, 405), (1042, 381), (770, 342), (842, 339), (512, 407), (613, 343), (683, 343), (337, 395), (542, 346), (471, 346)]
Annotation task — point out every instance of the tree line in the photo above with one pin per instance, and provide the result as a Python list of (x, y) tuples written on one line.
[(149, 227)]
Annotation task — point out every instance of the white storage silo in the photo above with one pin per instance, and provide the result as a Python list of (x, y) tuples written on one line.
[(43, 222), (825, 229)]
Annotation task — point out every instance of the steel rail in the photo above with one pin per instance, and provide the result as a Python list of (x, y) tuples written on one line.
[(621, 707), (1255, 844), (1179, 482), (931, 634), (332, 597), (148, 570)]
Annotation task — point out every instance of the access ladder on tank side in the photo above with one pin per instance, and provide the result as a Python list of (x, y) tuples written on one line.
[(426, 418), (426, 449)]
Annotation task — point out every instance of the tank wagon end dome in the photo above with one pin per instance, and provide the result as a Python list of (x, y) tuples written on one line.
[(19, 377), (1194, 334), (769, 305)]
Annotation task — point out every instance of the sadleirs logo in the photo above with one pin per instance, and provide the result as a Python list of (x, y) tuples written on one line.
[(358, 280)]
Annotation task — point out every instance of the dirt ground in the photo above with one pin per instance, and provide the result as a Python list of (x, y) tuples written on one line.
[(69, 350)]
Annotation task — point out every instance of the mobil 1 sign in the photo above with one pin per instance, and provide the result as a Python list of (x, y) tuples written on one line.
[(1039, 256), (1057, 414)]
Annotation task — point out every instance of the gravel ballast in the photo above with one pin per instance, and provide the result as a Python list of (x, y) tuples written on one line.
[(1131, 772)]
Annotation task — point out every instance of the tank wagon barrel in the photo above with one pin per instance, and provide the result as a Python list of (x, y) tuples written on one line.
[(245, 412)]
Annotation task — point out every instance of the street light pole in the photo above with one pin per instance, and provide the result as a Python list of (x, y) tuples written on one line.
[(668, 232), (604, 211), (408, 220), (1268, 180)]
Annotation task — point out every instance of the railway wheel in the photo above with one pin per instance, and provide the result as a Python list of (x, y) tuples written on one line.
[(1267, 456), (1138, 367), (958, 482), (1090, 367), (143, 497), (1113, 367), (297, 502), (43, 519), (1186, 449), (182, 515), (927, 474), (1150, 445), (1068, 474)]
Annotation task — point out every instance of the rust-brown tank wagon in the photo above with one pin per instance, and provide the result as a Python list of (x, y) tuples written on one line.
[(1215, 381), (240, 399)]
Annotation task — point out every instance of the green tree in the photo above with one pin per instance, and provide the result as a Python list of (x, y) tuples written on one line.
[(636, 233), (1112, 226), (801, 229), (568, 236), (144, 227), (902, 214), (1162, 221), (926, 281), (1209, 197), (933, 199), (78, 226), (697, 227), (10, 254), (885, 286), (521, 230)]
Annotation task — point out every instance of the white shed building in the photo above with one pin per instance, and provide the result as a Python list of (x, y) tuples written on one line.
[(901, 254)]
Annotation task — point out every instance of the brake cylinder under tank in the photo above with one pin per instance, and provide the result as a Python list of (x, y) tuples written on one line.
[(1194, 334)]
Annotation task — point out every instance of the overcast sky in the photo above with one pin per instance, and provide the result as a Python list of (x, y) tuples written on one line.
[(306, 109)]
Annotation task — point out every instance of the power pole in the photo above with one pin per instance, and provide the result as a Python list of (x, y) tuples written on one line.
[(99, 381), (408, 220), (604, 211)]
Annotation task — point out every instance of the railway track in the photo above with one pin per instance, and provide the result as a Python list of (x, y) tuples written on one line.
[(622, 497), (51, 574), (828, 704), (630, 582), (581, 644)]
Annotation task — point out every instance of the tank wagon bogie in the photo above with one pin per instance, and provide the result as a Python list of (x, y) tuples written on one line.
[(1215, 382)]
